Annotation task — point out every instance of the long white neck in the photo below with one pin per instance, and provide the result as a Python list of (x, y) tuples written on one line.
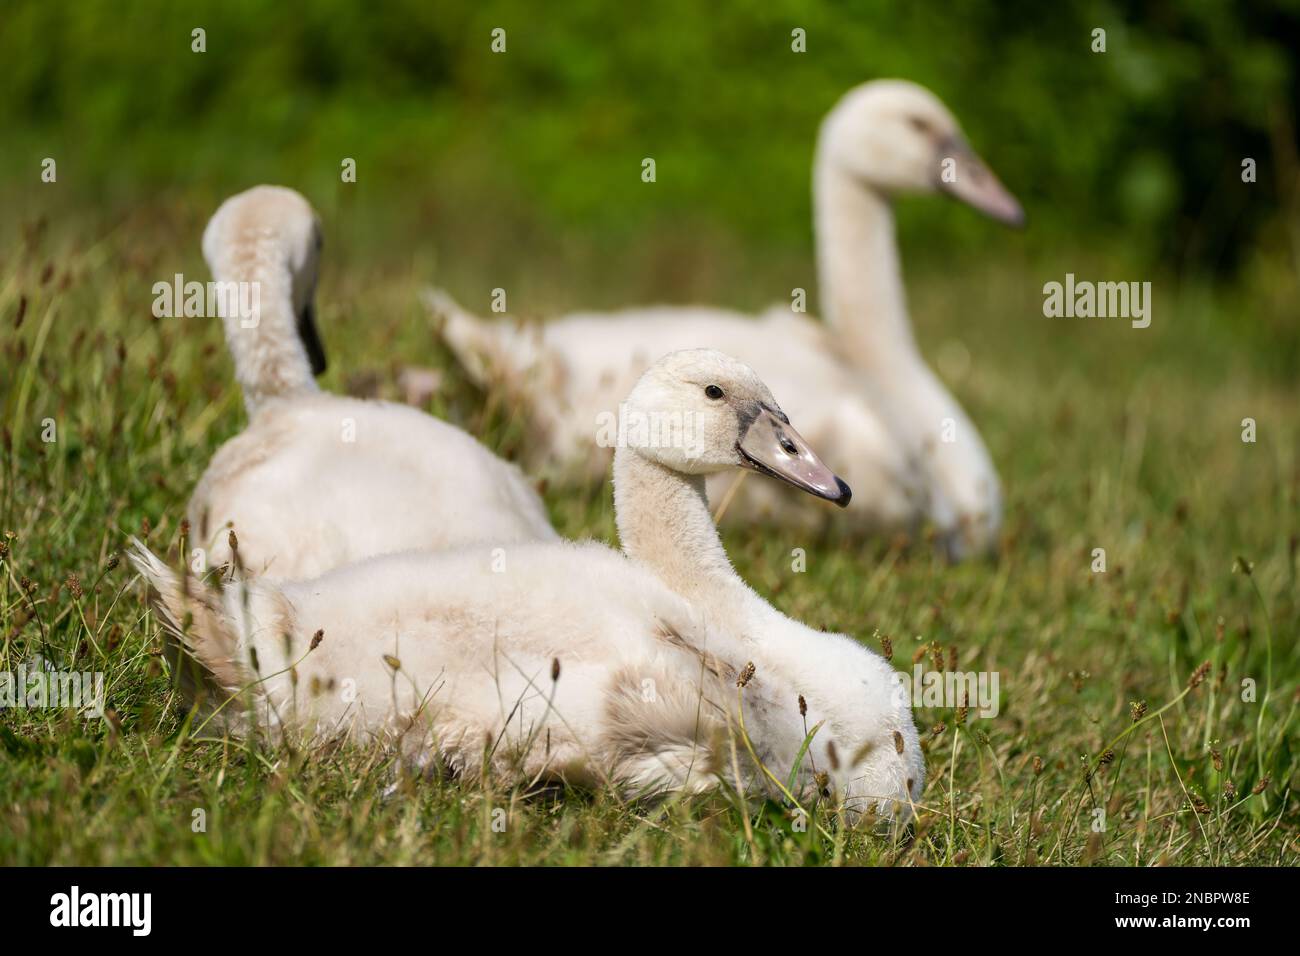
[(262, 332), (664, 521), (862, 293)]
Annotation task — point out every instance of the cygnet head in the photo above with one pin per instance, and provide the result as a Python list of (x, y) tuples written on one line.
[(700, 411), (897, 137), (271, 226)]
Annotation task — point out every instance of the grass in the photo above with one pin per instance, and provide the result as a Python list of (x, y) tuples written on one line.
[(1106, 437)]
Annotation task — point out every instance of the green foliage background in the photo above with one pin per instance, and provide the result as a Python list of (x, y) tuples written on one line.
[(1138, 148)]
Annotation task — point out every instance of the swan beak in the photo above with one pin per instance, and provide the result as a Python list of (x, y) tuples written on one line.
[(771, 446), (964, 176), (310, 336)]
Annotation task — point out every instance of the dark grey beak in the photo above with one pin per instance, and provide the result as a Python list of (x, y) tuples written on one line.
[(972, 182), (310, 336), (772, 447)]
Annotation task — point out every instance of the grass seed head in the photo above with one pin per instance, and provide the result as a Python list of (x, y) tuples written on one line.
[(1198, 675), (832, 755), (316, 639), (1137, 709), (746, 674), (1092, 850), (862, 753)]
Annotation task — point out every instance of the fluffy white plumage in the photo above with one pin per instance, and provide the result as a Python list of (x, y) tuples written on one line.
[(449, 656), (316, 480)]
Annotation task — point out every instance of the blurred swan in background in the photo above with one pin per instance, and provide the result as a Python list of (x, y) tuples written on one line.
[(857, 382)]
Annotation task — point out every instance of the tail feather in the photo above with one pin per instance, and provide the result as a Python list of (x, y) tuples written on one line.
[(473, 341), (200, 641), (491, 352)]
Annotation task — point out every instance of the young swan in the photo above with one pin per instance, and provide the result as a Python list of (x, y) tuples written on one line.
[(857, 384), (572, 661), (317, 481)]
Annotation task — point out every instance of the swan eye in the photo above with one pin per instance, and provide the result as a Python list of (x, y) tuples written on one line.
[(713, 392), (919, 124)]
